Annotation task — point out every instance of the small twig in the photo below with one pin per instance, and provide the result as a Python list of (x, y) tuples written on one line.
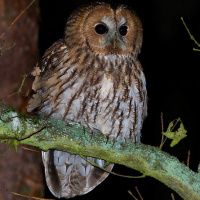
[(26, 196), (162, 129), (31, 134), (188, 158), (29, 149), (5, 48), (162, 124), (20, 88), (14, 21), (116, 174), (7, 120), (132, 195), (191, 36), (138, 193), (172, 195), (3, 154)]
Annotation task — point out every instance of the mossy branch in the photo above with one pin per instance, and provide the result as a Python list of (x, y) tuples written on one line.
[(17, 128)]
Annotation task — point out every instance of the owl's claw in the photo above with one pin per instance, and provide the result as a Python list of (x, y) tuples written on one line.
[(91, 135), (112, 140), (107, 138), (113, 143), (89, 129)]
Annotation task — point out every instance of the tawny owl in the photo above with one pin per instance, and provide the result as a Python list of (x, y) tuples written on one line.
[(93, 77)]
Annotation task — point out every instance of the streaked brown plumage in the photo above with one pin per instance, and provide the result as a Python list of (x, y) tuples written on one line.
[(92, 77)]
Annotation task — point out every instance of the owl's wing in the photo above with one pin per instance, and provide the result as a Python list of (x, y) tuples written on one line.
[(70, 175), (53, 59)]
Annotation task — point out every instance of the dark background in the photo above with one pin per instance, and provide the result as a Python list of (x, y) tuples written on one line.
[(172, 73)]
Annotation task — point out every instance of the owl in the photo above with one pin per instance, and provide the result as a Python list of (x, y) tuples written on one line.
[(92, 77)]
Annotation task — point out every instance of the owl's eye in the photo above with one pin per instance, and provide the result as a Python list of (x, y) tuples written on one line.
[(123, 30), (101, 29)]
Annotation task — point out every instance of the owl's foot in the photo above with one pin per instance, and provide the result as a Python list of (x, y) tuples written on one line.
[(83, 130), (112, 140), (107, 138), (89, 129), (91, 135)]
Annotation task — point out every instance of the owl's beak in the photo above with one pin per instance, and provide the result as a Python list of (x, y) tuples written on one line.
[(114, 41)]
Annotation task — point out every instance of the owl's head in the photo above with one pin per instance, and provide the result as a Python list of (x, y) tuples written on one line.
[(105, 30)]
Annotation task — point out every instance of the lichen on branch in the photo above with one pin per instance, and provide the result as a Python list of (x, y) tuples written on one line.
[(55, 134)]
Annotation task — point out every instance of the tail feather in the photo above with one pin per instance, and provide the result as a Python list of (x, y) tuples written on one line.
[(70, 175)]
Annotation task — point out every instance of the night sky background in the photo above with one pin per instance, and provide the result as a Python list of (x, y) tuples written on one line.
[(172, 73)]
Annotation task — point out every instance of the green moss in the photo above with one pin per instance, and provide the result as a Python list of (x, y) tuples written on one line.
[(69, 137)]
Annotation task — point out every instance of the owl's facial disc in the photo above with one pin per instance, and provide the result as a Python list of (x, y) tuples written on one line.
[(111, 34), (104, 30), (109, 31)]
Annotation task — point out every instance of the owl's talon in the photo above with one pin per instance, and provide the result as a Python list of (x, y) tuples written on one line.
[(91, 135), (114, 141), (83, 130), (107, 138)]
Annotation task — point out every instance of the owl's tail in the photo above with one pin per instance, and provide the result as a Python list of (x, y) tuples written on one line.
[(70, 175)]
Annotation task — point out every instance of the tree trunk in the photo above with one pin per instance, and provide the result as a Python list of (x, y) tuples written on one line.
[(19, 172)]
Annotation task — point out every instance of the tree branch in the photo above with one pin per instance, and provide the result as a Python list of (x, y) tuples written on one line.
[(17, 128)]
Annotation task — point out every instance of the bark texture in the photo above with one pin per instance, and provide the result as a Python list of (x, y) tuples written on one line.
[(19, 172)]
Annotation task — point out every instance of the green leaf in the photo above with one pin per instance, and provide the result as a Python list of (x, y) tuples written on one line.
[(15, 144), (176, 136)]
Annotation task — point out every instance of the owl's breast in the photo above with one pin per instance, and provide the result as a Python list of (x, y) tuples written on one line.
[(114, 111), (114, 108), (120, 115)]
